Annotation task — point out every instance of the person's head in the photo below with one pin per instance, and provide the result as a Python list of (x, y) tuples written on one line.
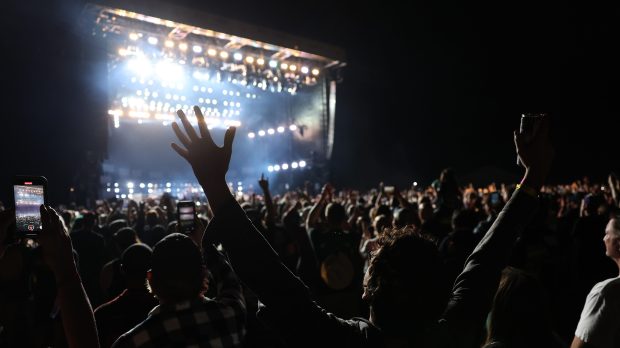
[(519, 316), (136, 261), (335, 214), (612, 239), (590, 204), (403, 284), (152, 218), (124, 238), (425, 211), (177, 269), (470, 199), (380, 223), (405, 217)]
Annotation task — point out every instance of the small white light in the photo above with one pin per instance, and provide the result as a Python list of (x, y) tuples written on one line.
[(210, 90), (142, 185), (238, 56), (115, 184), (294, 165), (108, 190), (280, 129), (260, 61), (130, 185), (292, 128), (305, 70), (276, 168), (150, 185), (123, 196), (302, 164), (261, 133), (150, 191), (153, 40), (197, 49), (415, 183), (212, 52), (270, 169), (238, 104), (284, 66), (133, 36), (169, 43), (315, 72), (273, 64), (270, 131), (249, 59), (117, 190), (130, 190), (284, 166), (224, 55), (293, 67), (183, 46), (168, 184), (251, 135)]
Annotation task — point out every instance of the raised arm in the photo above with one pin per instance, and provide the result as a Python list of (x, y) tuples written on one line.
[(475, 287), (264, 185), (315, 213), (77, 314)]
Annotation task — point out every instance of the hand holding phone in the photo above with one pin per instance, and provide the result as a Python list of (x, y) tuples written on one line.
[(186, 212), (29, 193), (530, 123)]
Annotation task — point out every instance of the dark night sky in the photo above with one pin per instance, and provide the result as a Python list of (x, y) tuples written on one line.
[(430, 85)]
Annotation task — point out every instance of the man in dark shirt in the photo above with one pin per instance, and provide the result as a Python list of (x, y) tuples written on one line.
[(289, 308), (185, 317), (133, 305), (90, 247)]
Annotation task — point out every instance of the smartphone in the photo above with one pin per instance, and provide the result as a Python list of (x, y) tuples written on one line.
[(494, 198), (29, 193), (530, 122), (186, 211)]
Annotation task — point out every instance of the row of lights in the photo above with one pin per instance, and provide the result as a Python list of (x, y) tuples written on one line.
[(286, 166), (211, 119), (271, 131), (224, 55)]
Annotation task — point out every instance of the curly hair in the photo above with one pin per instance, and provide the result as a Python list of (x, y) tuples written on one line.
[(405, 286)]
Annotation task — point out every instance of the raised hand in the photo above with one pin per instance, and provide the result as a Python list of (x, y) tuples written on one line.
[(263, 183), (536, 155), (209, 161), (56, 244)]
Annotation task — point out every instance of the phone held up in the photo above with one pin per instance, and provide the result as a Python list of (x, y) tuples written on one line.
[(29, 193), (186, 212), (530, 122)]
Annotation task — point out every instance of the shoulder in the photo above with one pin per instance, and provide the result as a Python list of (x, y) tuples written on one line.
[(136, 337)]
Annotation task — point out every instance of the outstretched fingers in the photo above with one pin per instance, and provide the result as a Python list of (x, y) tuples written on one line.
[(179, 133), (181, 151), (191, 133), (202, 124)]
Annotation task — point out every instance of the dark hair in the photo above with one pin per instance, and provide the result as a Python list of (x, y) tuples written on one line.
[(519, 315), (335, 214), (136, 261), (178, 270), (405, 288), (124, 238)]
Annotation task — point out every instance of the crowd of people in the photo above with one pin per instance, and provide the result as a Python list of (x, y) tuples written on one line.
[(511, 265)]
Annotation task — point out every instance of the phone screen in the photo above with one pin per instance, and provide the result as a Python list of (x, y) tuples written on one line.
[(186, 217), (28, 200)]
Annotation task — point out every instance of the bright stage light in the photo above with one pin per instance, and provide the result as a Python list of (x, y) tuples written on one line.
[(292, 128), (251, 135), (107, 190), (294, 165), (276, 168), (117, 190), (130, 191), (183, 46), (140, 65), (302, 164), (273, 64), (260, 61), (249, 59), (315, 72), (238, 56), (142, 185), (305, 70), (293, 67), (153, 40), (212, 52), (168, 71), (168, 184), (123, 196), (130, 184), (284, 66), (134, 36), (115, 184), (197, 49), (280, 129), (284, 166), (169, 43), (271, 131), (270, 169), (261, 133), (224, 55)]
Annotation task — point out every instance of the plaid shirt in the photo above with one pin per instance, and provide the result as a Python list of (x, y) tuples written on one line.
[(203, 322)]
